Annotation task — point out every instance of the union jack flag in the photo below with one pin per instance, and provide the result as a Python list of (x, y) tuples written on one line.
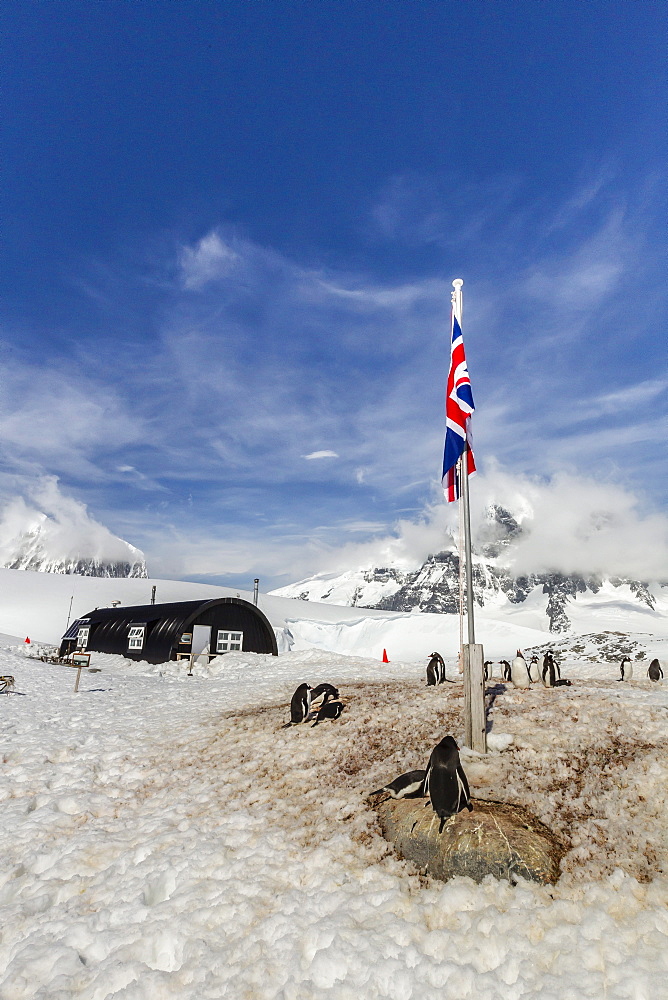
[(458, 409)]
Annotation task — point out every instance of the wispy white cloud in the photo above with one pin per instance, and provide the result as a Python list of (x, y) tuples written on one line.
[(401, 297), (582, 277), (62, 525), (62, 419), (635, 398), (571, 524), (256, 359), (209, 259)]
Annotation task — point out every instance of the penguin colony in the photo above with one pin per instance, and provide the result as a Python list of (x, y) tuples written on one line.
[(443, 781), (303, 699), (522, 674)]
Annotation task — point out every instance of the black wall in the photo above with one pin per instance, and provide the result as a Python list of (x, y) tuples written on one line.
[(165, 623)]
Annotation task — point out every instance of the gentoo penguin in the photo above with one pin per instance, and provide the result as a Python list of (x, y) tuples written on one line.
[(328, 690), (328, 710), (406, 786), (519, 674), (534, 669), (445, 782), (654, 672), (300, 704), (436, 668), (487, 665), (626, 669), (549, 675), (505, 669)]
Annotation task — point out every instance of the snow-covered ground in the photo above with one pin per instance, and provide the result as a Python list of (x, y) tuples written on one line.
[(39, 605), (164, 838)]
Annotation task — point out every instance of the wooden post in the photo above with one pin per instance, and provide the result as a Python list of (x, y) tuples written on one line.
[(81, 661), (475, 722)]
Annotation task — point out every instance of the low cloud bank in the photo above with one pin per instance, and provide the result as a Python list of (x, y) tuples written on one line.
[(60, 527), (568, 524)]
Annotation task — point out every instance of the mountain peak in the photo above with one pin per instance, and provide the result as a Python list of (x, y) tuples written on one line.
[(64, 539)]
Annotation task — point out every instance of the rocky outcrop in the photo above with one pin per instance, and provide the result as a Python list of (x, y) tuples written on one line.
[(495, 839), (82, 567)]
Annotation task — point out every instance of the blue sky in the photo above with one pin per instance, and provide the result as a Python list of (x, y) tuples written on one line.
[(230, 235)]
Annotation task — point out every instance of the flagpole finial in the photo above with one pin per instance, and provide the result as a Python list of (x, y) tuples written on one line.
[(456, 297)]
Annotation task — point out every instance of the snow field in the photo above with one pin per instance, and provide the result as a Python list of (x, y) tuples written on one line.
[(164, 837)]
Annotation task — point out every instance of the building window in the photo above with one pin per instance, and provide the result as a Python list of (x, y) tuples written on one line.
[(136, 636), (82, 637), (227, 642)]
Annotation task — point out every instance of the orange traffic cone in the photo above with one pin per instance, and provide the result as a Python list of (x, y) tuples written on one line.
[(385, 659)]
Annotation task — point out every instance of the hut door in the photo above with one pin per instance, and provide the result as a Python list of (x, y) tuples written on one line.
[(201, 642)]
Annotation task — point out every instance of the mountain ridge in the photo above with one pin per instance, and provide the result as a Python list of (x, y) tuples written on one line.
[(47, 545), (434, 586)]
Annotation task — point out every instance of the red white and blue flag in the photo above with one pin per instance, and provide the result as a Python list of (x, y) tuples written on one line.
[(458, 409)]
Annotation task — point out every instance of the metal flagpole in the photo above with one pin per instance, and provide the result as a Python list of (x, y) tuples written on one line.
[(467, 546), (460, 553), (475, 722)]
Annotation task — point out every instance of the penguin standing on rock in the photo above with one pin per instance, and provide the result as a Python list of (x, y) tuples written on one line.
[(654, 672), (407, 786), (300, 705), (505, 668), (625, 669), (445, 782), (488, 669)]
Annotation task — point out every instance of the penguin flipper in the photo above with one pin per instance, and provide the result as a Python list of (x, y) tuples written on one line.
[(463, 781)]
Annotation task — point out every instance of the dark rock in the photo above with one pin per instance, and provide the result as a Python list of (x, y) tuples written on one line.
[(495, 839)]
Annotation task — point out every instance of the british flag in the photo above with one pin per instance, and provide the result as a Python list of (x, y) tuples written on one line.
[(458, 409)]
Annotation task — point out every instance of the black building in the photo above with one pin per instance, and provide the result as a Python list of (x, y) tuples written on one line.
[(160, 632)]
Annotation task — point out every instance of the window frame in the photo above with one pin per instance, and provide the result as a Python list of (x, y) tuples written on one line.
[(233, 636), (136, 636)]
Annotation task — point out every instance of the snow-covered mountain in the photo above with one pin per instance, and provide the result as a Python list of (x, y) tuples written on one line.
[(64, 539), (434, 586)]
